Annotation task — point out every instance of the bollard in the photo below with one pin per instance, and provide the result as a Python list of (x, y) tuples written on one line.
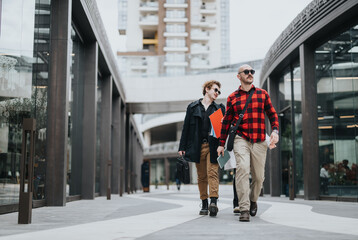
[(291, 180), (121, 181), (109, 164), (27, 171)]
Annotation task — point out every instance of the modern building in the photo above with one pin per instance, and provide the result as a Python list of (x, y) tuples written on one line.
[(311, 73), (173, 37), (58, 70)]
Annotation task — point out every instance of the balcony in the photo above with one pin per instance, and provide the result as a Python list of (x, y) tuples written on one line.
[(148, 22), (203, 23), (208, 9), (199, 49), (175, 64), (176, 4), (199, 36), (175, 19), (148, 7), (138, 64), (175, 34), (175, 49)]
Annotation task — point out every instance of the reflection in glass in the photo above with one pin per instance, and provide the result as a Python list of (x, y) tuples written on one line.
[(337, 98), (286, 130), (298, 156), (24, 56), (75, 117), (157, 171)]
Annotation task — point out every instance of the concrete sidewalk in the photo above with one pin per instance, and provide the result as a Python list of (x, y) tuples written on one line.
[(164, 214)]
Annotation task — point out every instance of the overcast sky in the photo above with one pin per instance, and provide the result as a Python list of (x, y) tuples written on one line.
[(254, 25)]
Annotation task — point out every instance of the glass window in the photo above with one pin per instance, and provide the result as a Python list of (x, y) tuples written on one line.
[(24, 53), (297, 144), (337, 99), (75, 111), (157, 171), (286, 130), (291, 129)]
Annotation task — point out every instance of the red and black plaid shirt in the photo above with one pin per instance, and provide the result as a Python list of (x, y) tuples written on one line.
[(252, 126)]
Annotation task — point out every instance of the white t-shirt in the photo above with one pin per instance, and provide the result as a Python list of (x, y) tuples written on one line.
[(324, 173)]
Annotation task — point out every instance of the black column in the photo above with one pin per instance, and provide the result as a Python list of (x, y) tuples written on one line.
[(309, 123), (274, 154), (57, 106), (116, 145), (131, 158), (166, 166), (89, 121), (105, 134), (126, 169), (123, 149)]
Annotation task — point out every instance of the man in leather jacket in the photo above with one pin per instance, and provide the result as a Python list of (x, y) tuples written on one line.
[(196, 145)]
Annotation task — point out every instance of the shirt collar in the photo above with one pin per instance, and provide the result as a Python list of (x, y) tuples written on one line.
[(252, 87)]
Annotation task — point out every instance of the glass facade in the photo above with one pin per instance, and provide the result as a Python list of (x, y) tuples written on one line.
[(24, 53), (157, 171), (337, 99), (291, 130), (98, 138), (75, 112), (286, 130), (297, 140), (25, 59)]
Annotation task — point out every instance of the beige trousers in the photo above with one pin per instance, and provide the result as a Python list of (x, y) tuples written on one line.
[(249, 157), (208, 174)]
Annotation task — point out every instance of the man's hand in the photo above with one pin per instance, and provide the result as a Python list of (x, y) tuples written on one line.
[(220, 151), (273, 139), (181, 153)]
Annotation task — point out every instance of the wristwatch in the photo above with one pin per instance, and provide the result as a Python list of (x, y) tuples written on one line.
[(275, 131)]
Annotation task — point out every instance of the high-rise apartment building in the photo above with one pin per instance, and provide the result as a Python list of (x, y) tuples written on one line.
[(173, 37)]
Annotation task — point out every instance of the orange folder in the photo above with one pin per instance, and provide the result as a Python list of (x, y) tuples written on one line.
[(215, 120)]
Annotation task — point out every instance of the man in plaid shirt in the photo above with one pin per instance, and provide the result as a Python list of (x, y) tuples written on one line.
[(250, 146)]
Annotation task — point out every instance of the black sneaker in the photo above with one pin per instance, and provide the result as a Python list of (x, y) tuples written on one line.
[(253, 208), (204, 208), (213, 208)]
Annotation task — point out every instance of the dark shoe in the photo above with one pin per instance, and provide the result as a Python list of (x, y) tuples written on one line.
[(204, 207), (236, 210), (253, 208), (236, 206), (244, 216), (213, 208)]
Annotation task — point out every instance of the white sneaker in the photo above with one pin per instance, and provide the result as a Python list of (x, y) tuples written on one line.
[(236, 210)]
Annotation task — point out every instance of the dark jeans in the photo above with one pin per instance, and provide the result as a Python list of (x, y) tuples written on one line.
[(236, 199)]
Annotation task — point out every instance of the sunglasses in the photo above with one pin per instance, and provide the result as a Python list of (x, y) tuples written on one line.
[(217, 91), (246, 71)]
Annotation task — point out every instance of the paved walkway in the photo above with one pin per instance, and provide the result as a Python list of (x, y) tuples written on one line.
[(172, 214)]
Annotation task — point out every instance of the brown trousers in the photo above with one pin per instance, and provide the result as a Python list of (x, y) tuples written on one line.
[(208, 174)]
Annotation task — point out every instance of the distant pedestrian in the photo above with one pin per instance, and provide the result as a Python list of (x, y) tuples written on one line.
[(250, 146), (324, 177), (198, 146)]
